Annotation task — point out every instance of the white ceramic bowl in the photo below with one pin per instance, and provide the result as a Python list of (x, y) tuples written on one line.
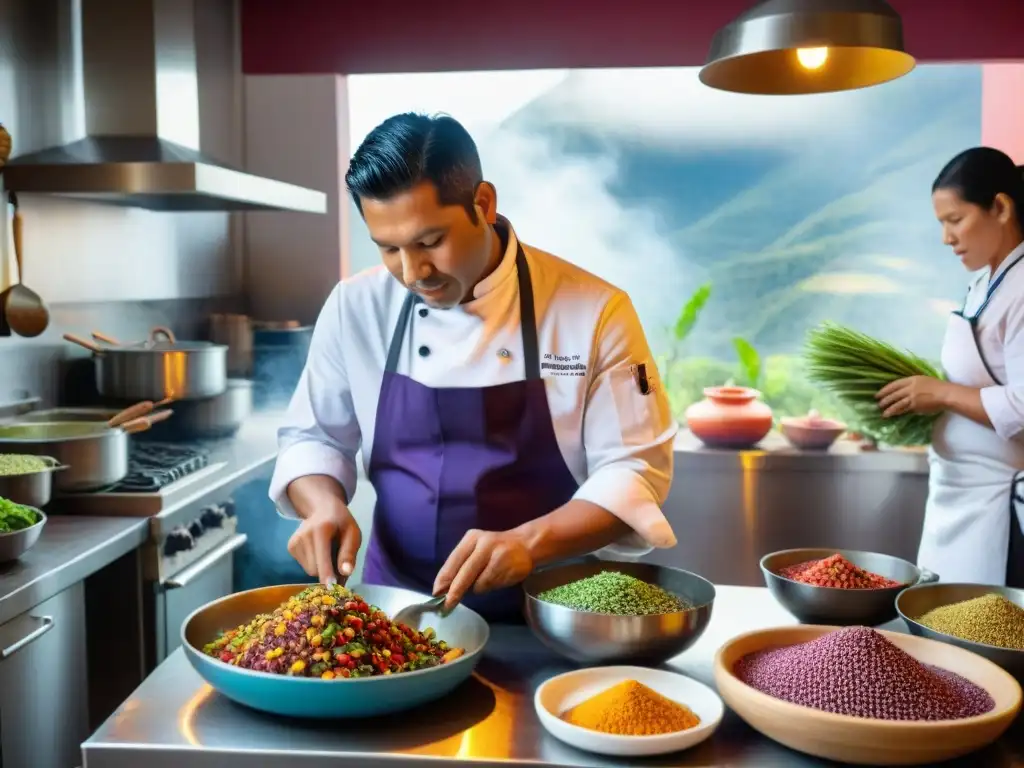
[(561, 693)]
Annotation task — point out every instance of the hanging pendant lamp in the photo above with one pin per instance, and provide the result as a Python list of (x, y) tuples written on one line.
[(790, 47)]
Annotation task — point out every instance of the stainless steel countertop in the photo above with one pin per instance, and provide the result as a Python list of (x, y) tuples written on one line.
[(174, 719), (69, 550), (775, 452)]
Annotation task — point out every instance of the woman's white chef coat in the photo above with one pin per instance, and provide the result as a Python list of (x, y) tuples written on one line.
[(1000, 336), (616, 441)]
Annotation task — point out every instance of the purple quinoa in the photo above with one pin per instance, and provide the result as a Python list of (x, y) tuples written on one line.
[(856, 671)]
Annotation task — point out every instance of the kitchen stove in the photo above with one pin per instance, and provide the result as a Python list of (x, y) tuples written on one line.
[(152, 466), (184, 489)]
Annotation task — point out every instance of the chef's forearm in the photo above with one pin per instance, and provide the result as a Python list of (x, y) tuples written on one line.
[(966, 401), (313, 492), (576, 528)]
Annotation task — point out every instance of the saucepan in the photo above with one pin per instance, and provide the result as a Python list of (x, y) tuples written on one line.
[(210, 418), (95, 453), (161, 367), (311, 697)]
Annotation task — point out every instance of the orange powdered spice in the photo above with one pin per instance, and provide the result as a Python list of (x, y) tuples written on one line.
[(631, 709)]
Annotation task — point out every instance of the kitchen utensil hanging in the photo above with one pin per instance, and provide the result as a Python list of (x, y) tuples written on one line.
[(24, 312), (6, 145)]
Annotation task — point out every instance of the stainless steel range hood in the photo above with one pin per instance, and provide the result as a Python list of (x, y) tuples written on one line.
[(141, 101)]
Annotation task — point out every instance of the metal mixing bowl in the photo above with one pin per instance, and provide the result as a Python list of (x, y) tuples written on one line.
[(16, 543), (842, 607), (33, 489), (915, 602), (600, 638)]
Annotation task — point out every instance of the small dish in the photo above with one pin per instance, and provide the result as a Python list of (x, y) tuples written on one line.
[(811, 432), (562, 692), (861, 740)]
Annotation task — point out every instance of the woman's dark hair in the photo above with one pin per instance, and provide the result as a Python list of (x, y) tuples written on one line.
[(977, 175), (408, 149)]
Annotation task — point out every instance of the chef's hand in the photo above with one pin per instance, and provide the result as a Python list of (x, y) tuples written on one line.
[(312, 543), (483, 561), (914, 394)]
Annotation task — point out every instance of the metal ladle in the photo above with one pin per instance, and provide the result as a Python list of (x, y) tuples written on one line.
[(23, 309)]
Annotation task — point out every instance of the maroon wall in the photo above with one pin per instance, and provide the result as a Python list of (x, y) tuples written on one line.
[(359, 36)]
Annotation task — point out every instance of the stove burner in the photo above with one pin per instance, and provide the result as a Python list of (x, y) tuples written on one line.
[(152, 466)]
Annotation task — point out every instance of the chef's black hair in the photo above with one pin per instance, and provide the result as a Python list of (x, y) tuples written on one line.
[(981, 173), (408, 149)]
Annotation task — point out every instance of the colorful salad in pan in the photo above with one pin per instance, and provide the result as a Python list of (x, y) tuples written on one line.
[(329, 632)]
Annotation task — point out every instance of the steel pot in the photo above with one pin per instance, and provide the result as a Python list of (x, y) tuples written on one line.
[(95, 454), (210, 418), (157, 369)]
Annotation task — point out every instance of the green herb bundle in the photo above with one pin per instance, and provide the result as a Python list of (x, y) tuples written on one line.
[(853, 367)]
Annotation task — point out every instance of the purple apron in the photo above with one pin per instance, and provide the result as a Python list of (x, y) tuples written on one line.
[(447, 460)]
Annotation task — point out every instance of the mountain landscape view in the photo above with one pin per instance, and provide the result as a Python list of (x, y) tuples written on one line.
[(795, 210)]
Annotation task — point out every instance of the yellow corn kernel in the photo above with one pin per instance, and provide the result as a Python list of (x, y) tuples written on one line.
[(387, 653), (316, 620), (328, 600), (328, 675), (387, 671), (315, 601), (310, 632), (288, 615), (280, 629), (298, 666), (355, 654), (316, 640), (274, 653)]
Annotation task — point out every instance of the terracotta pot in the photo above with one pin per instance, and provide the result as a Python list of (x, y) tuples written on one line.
[(729, 417)]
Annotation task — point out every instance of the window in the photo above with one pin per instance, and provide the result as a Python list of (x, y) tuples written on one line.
[(793, 210)]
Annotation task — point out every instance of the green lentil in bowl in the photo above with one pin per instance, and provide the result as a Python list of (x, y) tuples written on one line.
[(615, 593), (24, 464)]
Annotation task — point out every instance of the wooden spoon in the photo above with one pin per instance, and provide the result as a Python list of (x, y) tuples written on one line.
[(143, 423), (106, 339), (138, 410), (25, 312)]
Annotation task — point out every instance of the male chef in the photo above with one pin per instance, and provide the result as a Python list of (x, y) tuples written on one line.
[(505, 402)]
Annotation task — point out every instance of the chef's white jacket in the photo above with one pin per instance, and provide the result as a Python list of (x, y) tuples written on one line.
[(1000, 337), (616, 441)]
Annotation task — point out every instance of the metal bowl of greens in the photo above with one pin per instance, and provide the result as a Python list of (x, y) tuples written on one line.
[(605, 611), (20, 528), (27, 479)]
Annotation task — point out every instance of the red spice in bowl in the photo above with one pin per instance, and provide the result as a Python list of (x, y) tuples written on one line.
[(836, 572), (856, 671)]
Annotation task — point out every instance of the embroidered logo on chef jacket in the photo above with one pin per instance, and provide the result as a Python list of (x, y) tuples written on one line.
[(563, 365)]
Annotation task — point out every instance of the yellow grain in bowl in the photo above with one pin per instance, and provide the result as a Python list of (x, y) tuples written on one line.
[(631, 709)]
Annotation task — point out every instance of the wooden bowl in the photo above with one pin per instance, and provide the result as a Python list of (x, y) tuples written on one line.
[(863, 740)]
